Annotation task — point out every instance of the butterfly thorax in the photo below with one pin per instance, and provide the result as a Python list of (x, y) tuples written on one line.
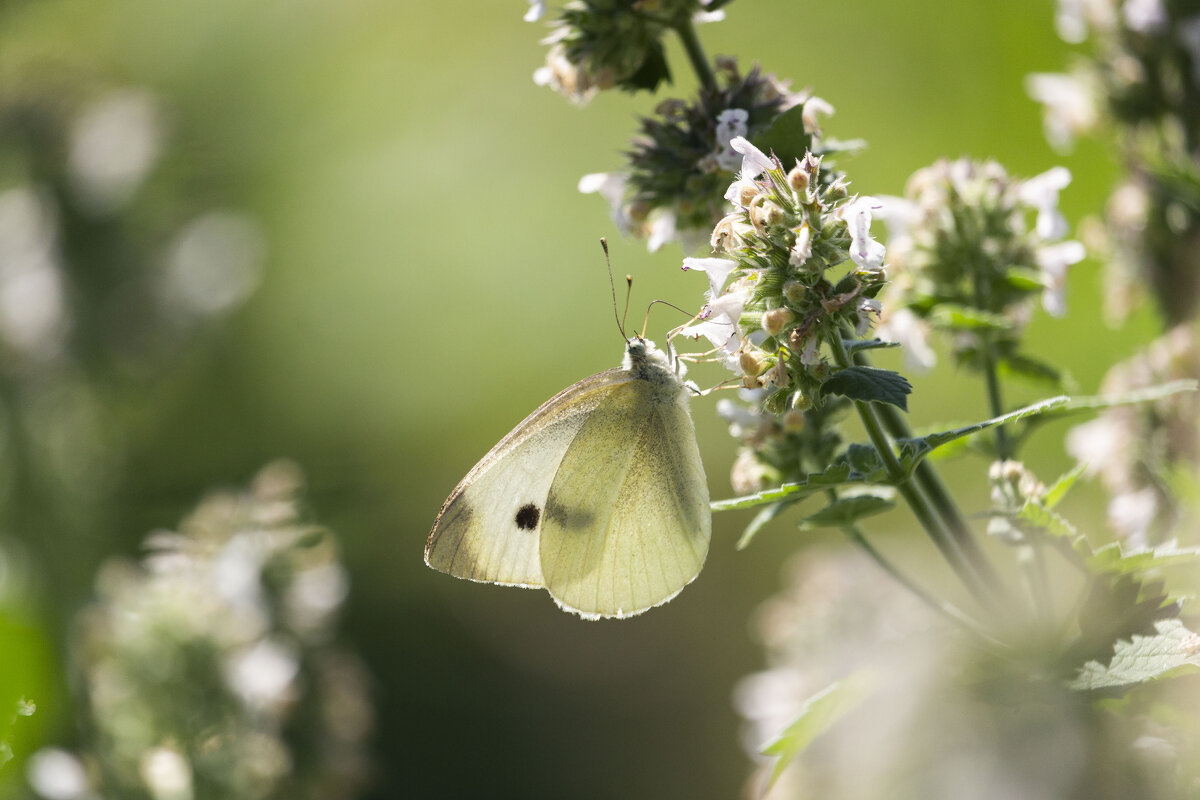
[(646, 362)]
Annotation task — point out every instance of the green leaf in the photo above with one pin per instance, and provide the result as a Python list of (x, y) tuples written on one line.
[(857, 345), (869, 383), (761, 519), (1059, 489), (962, 318), (786, 137), (1024, 279), (820, 713), (1030, 369), (1116, 560), (913, 450), (846, 510), (1143, 658), (1074, 405), (1041, 516), (836, 475), (653, 70)]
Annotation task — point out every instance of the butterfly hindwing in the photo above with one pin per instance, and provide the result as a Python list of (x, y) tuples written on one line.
[(488, 529), (626, 528)]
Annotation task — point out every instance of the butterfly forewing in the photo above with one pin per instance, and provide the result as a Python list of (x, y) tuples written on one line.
[(488, 528), (626, 528)]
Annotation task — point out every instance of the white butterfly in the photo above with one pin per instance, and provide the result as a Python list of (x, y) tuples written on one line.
[(599, 496)]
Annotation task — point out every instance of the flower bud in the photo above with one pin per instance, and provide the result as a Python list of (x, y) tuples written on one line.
[(793, 420), (775, 320), (752, 363), (746, 192), (795, 292), (798, 179)]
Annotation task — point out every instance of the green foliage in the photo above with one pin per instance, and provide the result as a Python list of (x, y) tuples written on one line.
[(786, 137), (820, 713), (1171, 649), (869, 383), (847, 510)]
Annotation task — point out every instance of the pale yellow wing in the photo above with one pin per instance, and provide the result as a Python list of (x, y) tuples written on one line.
[(627, 521), (489, 526)]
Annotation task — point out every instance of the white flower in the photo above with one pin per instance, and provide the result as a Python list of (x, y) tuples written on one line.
[(802, 249), (701, 17), (166, 773), (262, 673), (1133, 513), (1145, 16), (754, 161), (1069, 106), (814, 107), (731, 124), (1041, 193), (113, 146), (1053, 261), (610, 186), (1070, 22), (864, 251), (57, 775), (867, 308), (718, 270), (912, 332), (537, 9), (660, 230)]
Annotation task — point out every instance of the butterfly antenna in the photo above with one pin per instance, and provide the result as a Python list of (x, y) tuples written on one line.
[(646, 322), (612, 285)]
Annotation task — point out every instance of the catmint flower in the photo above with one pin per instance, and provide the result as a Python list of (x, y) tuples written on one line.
[(864, 250), (610, 186), (962, 239), (1145, 16), (1069, 106), (814, 109), (731, 124), (717, 269), (537, 10)]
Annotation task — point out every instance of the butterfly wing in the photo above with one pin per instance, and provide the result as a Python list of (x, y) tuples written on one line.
[(627, 520), (489, 526)]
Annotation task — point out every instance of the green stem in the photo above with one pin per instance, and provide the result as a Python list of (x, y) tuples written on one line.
[(995, 403), (915, 499), (855, 534), (695, 53)]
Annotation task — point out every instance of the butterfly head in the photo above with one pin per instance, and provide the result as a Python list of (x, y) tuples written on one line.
[(645, 360)]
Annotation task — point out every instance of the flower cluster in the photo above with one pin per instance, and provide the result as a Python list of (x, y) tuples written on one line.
[(970, 247), (1142, 79), (682, 160), (1144, 453), (782, 289), (209, 669), (602, 44)]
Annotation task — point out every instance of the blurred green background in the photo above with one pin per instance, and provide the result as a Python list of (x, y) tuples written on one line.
[(430, 275)]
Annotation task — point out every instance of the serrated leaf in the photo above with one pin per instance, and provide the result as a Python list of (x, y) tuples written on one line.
[(786, 137), (760, 521), (836, 475), (1039, 515), (1058, 490), (820, 713), (1074, 405), (1143, 658), (962, 318), (862, 458), (869, 383), (915, 449), (1114, 559), (858, 345), (847, 510)]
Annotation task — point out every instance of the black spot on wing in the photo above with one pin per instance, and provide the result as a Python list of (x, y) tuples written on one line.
[(527, 517)]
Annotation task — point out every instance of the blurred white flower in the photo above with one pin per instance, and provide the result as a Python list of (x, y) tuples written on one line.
[(1145, 16), (1069, 106), (262, 674), (610, 186), (814, 109), (57, 775), (731, 124), (1053, 260), (660, 230), (166, 773), (537, 9), (1041, 193), (1188, 31), (213, 265), (912, 333), (33, 316), (112, 148)]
